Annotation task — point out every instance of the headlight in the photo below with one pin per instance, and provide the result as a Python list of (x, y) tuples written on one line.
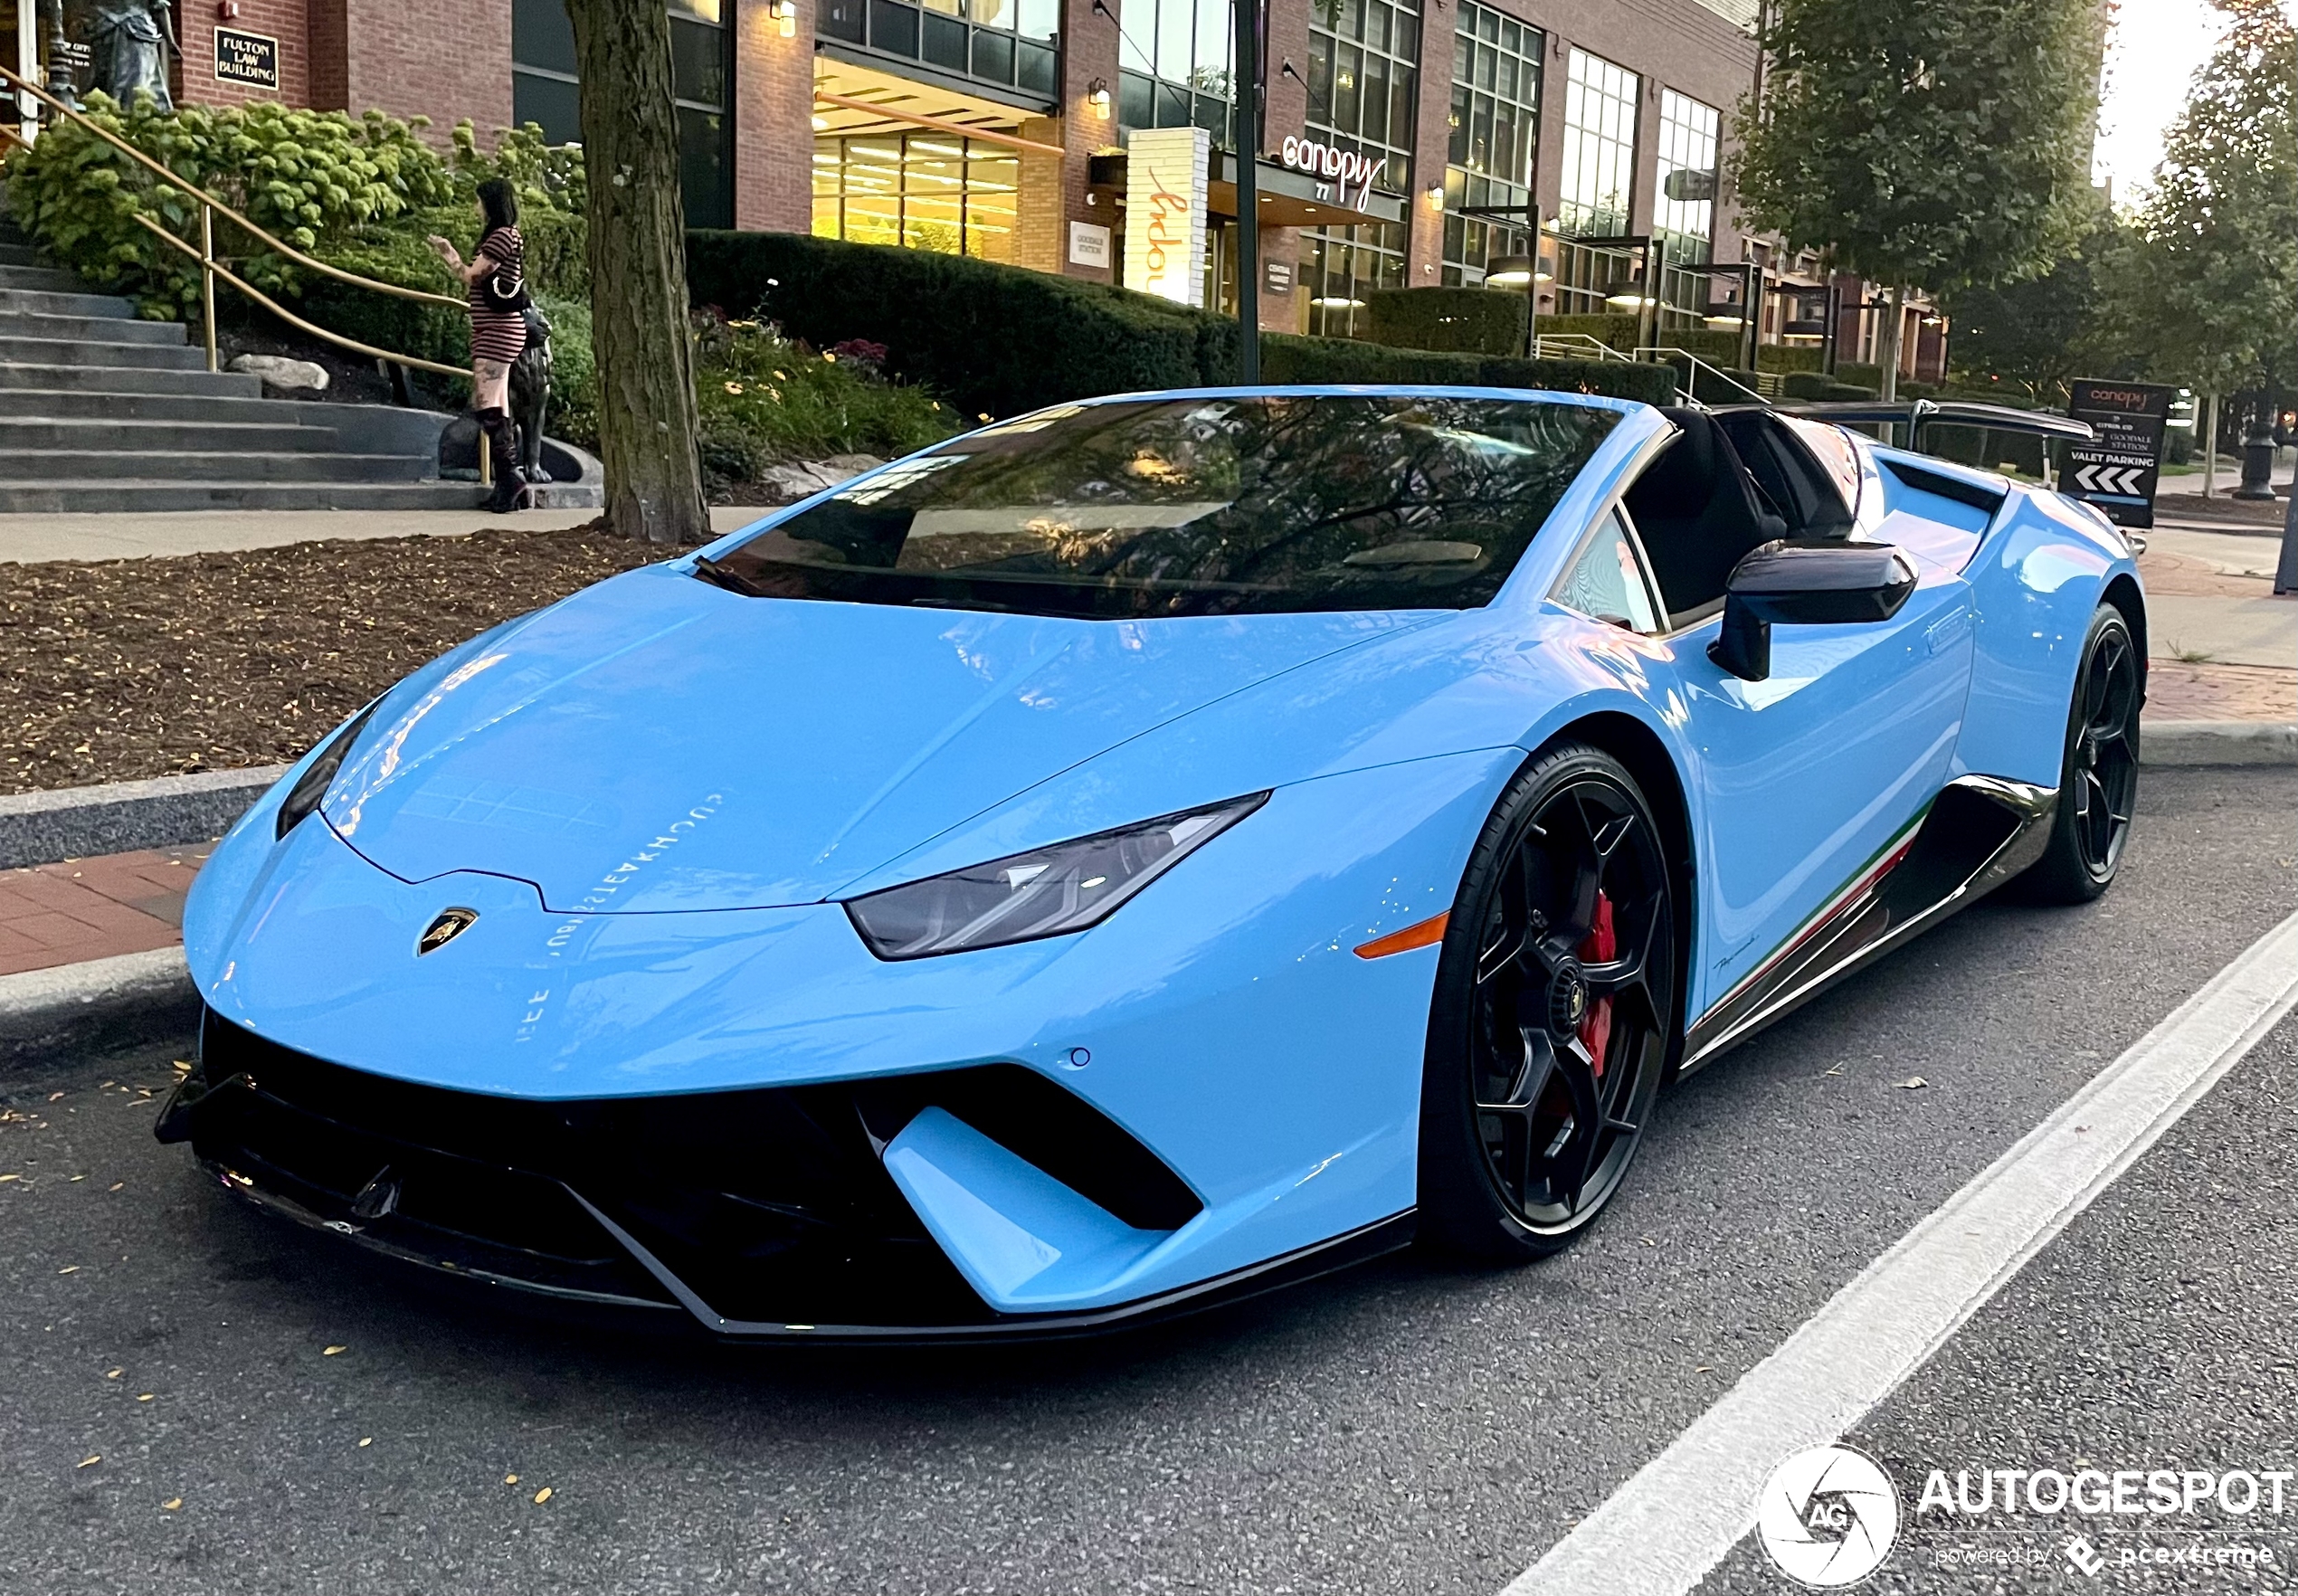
[(1047, 893), (312, 784)]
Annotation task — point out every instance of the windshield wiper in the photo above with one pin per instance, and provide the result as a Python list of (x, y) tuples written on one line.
[(719, 575)]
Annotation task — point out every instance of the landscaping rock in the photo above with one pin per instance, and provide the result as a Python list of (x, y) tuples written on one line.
[(801, 478), (283, 375)]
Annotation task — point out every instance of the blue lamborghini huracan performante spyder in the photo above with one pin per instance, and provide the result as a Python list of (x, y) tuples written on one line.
[(1147, 850)]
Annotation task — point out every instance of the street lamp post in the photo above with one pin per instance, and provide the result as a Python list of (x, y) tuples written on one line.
[(1246, 137), (2257, 451)]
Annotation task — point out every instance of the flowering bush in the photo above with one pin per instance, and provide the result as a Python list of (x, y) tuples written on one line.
[(306, 176), (358, 193), (765, 399)]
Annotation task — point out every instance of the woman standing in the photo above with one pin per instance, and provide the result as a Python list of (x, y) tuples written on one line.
[(497, 277)]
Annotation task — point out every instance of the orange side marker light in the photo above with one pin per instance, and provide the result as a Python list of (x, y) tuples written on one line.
[(1426, 934)]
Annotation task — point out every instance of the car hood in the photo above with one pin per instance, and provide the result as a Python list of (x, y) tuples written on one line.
[(656, 743)]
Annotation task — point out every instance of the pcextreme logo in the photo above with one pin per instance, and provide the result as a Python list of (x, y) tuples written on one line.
[(1828, 1516)]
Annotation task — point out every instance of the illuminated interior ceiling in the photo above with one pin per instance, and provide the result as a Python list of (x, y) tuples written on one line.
[(906, 103)]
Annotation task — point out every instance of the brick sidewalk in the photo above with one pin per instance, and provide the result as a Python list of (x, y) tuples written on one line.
[(2175, 690), (92, 909)]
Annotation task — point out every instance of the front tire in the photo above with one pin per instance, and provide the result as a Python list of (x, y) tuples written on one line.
[(2098, 786), (1553, 1013)]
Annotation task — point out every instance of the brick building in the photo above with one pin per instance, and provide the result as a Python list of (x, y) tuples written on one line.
[(1404, 142)]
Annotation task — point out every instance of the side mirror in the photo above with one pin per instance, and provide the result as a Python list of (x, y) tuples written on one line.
[(1813, 583)]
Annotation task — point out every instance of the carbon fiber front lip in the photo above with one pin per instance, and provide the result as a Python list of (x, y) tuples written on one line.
[(1323, 1258)]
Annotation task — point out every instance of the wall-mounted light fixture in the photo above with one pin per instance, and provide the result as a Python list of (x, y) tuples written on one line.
[(786, 18), (1436, 196), (1097, 95)]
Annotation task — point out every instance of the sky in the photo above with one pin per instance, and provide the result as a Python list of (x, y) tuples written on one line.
[(2150, 57)]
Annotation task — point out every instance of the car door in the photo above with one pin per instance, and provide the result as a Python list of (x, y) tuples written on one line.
[(1812, 780)]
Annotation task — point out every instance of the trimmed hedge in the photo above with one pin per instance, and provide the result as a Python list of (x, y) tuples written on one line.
[(1785, 357), (1473, 320), (1284, 358), (1818, 385), (998, 340), (1613, 331), (994, 339), (1712, 344)]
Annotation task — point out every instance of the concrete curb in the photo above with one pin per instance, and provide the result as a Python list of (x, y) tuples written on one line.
[(2217, 742), (97, 1006), (77, 822)]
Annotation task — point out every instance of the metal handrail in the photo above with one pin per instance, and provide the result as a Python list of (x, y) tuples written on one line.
[(1573, 342), (290, 317), (1668, 353), (211, 268)]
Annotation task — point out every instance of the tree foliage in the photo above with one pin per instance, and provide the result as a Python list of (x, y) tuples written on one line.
[(1934, 143), (2032, 337), (2211, 299)]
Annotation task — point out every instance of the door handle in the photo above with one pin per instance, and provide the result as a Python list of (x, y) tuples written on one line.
[(1947, 630)]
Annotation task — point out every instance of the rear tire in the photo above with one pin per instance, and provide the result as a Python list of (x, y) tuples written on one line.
[(2098, 784), (1553, 1013)]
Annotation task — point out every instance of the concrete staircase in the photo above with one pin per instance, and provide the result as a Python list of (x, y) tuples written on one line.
[(101, 410)]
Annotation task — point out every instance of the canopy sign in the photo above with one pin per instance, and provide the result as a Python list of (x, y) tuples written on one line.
[(2116, 469)]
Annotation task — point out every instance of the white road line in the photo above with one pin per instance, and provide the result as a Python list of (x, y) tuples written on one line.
[(1675, 1519)]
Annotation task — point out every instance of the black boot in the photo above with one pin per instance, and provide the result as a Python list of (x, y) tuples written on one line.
[(509, 491)]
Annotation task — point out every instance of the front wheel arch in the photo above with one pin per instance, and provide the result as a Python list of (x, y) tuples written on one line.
[(1638, 748), (1602, 832)]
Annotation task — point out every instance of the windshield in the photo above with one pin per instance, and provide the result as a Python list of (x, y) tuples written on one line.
[(1194, 507)]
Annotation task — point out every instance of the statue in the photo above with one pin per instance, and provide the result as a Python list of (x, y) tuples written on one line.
[(531, 395), (58, 49), (129, 40)]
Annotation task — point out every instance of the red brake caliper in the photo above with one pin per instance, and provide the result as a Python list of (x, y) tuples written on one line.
[(1601, 947)]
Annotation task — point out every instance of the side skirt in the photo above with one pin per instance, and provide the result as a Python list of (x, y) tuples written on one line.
[(1977, 834)]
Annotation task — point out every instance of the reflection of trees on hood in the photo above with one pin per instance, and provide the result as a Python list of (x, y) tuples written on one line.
[(1301, 483)]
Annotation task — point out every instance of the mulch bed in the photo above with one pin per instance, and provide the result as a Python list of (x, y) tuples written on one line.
[(116, 670)]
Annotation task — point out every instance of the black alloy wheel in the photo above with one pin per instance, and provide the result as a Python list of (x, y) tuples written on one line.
[(1553, 1013), (2099, 769)]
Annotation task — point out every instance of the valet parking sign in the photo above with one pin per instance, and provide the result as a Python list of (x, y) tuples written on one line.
[(2116, 469)]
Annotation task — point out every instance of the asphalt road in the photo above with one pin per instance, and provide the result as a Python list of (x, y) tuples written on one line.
[(1408, 1427)]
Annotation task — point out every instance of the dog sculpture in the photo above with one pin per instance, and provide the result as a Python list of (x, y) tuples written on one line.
[(531, 395)]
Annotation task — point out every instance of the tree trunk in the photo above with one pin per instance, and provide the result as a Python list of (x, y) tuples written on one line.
[(1888, 355), (637, 251)]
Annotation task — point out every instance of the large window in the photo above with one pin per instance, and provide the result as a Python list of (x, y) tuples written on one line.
[(1684, 208), (1009, 42), (1600, 103), (1174, 58), (926, 190), (1684, 213), (1495, 122), (1363, 79), (543, 91)]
